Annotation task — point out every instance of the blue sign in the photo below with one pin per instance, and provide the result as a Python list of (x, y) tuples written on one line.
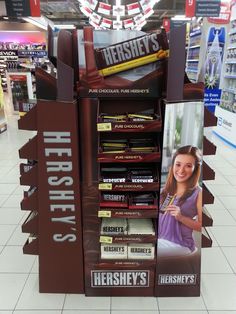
[(212, 98)]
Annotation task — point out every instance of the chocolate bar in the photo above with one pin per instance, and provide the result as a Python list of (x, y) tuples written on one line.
[(168, 201), (114, 251), (141, 251), (111, 226), (140, 226), (131, 53)]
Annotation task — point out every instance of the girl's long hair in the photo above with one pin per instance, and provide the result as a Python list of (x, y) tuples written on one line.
[(171, 184)]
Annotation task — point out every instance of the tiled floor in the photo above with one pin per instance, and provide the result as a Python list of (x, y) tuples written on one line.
[(19, 273)]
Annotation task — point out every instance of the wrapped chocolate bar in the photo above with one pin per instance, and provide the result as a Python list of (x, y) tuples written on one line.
[(132, 53), (113, 146), (141, 251), (167, 201), (114, 226), (141, 175), (114, 200), (113, 251), (141, 226), (113, 174)]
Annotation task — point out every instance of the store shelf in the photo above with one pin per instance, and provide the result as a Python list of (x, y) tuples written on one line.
[(230, 62), (230, 76), (231, 47), (129, 157), (192, 60), (192, 71), (233, 91), (127, 213), (194, 47), (232, 32), (133, 238), (129, 186)]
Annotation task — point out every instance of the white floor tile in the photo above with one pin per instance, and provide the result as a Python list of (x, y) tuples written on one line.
[(80, 302), (88, 312), (185, 312), (218, 291), (233, 213), (14, 261), (228, 201), (35, 268), (6, 232), (134, 303), (231, 179), (130, 312), (11, 286), (222, 312), (3, 198), (222, 190), (229, 171), (224, 236), (181, 303), (31, 299), (230, 253), (208, 262), (7, 188), (18, 237), (214, 241), (6, 312), (1, 248), (13, 201), (222, 218), (20, 190), (10, 216), (36, 312)]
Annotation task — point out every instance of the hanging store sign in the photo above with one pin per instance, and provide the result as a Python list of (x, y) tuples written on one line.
[(19, 8), (190, 8), (206, 8)]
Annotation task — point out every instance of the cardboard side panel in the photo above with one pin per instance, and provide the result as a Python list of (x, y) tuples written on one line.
[(60, 227)]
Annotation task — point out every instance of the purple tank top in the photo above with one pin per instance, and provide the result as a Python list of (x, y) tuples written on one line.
[(172, 230)]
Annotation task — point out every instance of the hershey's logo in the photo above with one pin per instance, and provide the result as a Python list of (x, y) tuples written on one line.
[(59, 168), (177, 279), (117, 278), (130, 49)]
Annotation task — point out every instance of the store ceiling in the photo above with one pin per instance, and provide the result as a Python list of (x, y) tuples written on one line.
[(67, 11)]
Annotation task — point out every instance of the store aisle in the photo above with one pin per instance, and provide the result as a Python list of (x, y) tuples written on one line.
[(19, 273)]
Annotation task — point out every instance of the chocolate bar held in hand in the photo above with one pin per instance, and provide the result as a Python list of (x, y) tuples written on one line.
[(131, 53), (114, 226), (168, 201)]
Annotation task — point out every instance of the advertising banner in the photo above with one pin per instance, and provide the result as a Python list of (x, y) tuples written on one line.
[(19, 8), (180, 208)]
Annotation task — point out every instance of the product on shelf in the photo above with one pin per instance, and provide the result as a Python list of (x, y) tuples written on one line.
[(140, 200), (113, 174), (114, 200), (111, 226), (140, 226), (141, 251), (113, 251)]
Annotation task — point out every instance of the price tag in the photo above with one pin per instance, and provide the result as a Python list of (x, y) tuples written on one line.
[(104, 239), (102, 127), (105, 186), (104, 214)]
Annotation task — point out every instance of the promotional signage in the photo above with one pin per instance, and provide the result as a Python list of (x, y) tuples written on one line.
[(166, 24), (177, 23), (179, 245), (206, 8), (32, 53), (10, 55), (202, 8), (19, 8), (226, 125)]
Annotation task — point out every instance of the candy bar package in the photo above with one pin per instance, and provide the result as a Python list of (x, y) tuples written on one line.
[(141, 251), (112, 226), (115, 200), (141, 226), (124, 63), (113, 251)]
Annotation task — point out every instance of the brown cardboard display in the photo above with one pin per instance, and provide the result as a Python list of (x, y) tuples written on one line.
[(46, 85), (31, 224), (29, 120), (207, 220), (208, 147), (31, 177), (31, 248), (207, 172), (60, 230), (208, 198), (30, 202), (209, 118), (29, 150), (206, 239)]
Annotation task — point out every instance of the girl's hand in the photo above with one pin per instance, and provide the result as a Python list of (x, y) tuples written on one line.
[(174, 211)]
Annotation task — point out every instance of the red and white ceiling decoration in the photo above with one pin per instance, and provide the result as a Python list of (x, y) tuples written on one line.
[(127, 16)]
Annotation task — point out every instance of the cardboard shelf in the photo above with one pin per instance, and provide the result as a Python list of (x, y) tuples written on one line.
[(29, 120), (209, 118), (207, 220), (208, 147), (129, 157), (208, 198), (30, 202), (29, 150), (133, 238), (30, 225), (30, 177), (31, 247), (127, 213), (207, 172), (129, 186), (206, 239)]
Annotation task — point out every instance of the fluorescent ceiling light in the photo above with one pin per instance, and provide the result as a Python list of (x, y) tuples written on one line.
[(180, 17), (65, 26)]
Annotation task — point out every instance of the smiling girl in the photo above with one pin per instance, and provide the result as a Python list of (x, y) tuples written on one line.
[(180, 204)]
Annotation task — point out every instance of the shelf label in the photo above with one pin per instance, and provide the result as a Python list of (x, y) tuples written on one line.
[(104, 214), (105, 239), (105, 186), (102, 127)]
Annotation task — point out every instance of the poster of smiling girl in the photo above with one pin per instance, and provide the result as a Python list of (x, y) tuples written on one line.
[(180, 204)]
